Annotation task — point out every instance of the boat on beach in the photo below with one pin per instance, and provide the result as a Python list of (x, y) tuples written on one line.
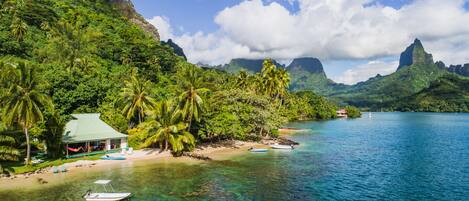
[(108, 195), (281, 146), (108, 157), (258, 150)]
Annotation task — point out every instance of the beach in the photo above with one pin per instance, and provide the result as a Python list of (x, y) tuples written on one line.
[(214, 151)]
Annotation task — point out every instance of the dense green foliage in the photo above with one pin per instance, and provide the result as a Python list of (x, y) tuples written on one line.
[(87, 56), (447, 94), (166, 126), (352, 112), (8, 151), (23, 100)]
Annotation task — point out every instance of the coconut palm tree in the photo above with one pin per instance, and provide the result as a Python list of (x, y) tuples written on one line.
[(283, 82), (135, 98), (7, 150), (190, 102), (167, 126), (24, 102), (269, 77), (18, 28)]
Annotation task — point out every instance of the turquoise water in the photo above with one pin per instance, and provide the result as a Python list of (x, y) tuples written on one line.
[(392, 156)]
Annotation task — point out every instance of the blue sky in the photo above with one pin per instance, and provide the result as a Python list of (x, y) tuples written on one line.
[(352, 49)]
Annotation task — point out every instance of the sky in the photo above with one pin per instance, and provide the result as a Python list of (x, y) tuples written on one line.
[(354, 39)]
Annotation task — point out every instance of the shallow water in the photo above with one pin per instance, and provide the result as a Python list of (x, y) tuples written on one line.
[(392, 156)]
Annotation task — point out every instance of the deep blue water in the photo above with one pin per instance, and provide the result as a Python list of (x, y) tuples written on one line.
[(392, 156)]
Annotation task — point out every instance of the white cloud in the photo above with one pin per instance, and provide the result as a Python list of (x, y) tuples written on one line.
[(365, 71), (329, 30), (163, 25)]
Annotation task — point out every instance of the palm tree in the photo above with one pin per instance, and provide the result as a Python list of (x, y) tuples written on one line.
[(269, 77), (24, 102), (283, 82), (135, 97), (190, 101), (167, 126), (242, 81), (7, 150), (18, 28)]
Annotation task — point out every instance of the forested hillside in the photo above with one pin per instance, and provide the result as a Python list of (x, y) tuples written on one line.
[(415, 72), (77, 56), (449, 93)]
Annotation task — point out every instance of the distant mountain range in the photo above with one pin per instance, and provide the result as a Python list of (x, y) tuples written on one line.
[(416, 72)]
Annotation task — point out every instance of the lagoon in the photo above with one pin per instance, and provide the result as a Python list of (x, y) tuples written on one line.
[(390, 156)]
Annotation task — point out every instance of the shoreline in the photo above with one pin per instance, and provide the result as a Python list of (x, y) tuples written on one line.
[(216, 151)]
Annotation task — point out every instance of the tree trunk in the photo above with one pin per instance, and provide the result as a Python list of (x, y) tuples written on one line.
[(28, 147), (166, 145), (139, 117), (190, 123)]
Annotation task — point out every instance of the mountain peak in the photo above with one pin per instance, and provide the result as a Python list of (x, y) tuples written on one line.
[(176, 48), (414, 54), (417, 42), (310, 64), (250, 65), (127, 9)]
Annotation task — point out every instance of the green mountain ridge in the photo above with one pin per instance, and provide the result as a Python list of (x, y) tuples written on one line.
[(306, 73), (249, 65), (416, 72), (449, 93)]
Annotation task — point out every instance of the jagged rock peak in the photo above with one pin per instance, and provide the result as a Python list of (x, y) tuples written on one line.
[(127, 9), (440, 64), (177, 49), (309, 64), (414, 54), (460, 69)]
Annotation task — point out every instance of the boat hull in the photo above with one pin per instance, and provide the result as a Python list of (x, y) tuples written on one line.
[(113, 158), (258, 150), (107, 196), (281, 147)]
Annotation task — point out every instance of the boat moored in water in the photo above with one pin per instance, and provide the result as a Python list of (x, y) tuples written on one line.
[(281, 146)]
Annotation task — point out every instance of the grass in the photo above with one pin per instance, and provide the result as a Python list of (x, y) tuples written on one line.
[(19, 167)]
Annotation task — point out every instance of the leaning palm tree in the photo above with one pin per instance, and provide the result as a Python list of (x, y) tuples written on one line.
[(135, 98), (167, 126), (24, 102), (190, 101)]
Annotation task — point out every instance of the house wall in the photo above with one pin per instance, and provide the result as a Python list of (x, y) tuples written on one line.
[(108, 144), (123, 142)]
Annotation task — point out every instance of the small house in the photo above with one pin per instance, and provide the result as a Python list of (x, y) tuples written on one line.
[(342, 113), (87, 133)]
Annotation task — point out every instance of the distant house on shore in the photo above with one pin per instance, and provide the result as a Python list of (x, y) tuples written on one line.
[(88, 133), (342, 113)]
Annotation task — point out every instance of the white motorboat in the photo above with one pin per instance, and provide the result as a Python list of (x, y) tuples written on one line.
[(281, 146), (257, 150), (108, 195)]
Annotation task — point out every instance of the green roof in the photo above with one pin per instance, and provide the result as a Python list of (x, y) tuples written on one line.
[(88, 127)]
